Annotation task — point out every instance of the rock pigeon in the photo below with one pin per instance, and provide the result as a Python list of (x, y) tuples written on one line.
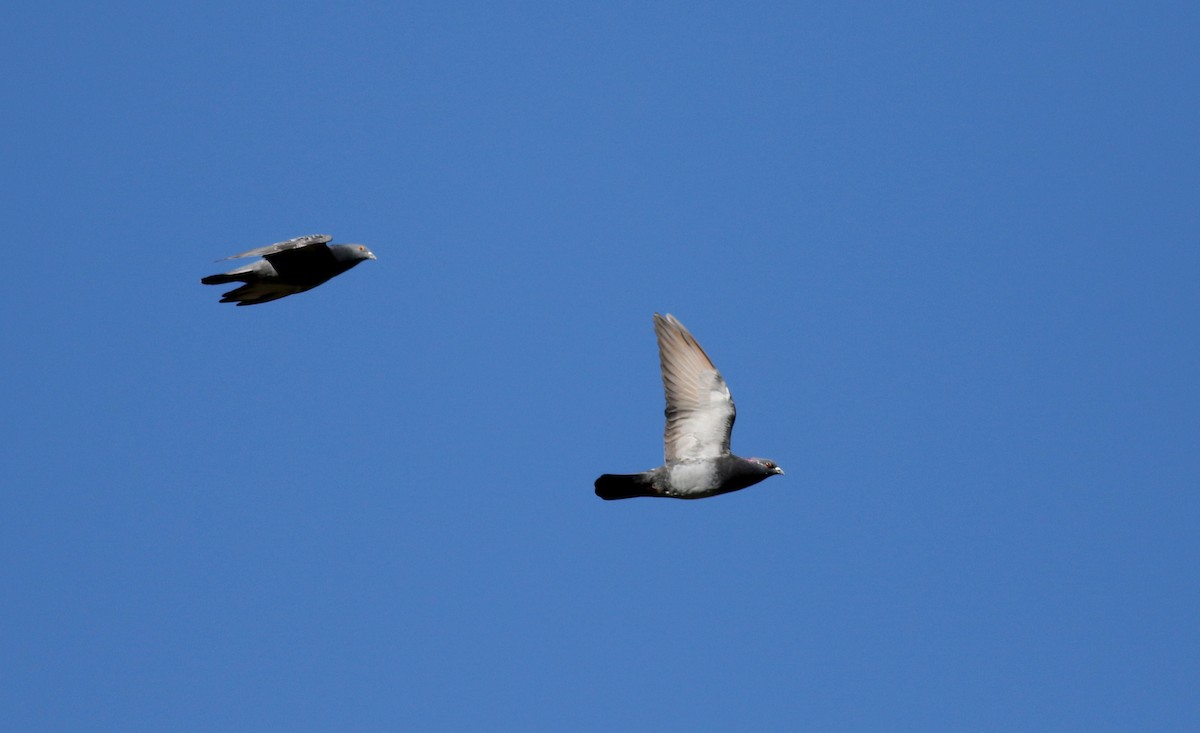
[(288, 268), (700, 415)]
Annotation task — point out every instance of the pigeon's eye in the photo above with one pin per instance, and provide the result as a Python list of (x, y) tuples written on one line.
[(362, 249)]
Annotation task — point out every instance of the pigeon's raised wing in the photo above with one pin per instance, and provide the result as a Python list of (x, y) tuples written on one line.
[(297, 243), (700, 411)]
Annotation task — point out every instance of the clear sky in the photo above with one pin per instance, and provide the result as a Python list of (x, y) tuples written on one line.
[(945, 255)]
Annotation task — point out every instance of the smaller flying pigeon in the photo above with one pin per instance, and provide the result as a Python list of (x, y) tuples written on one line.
[(700, 416), (288, 268)]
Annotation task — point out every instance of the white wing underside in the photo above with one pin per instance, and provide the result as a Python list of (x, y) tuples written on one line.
[(700, 410), (270, 249)]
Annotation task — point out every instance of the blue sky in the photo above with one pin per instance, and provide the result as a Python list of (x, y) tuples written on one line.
[(945, 256)]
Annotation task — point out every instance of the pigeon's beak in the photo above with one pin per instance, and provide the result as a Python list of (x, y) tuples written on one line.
[(370, 255), (779, 470)]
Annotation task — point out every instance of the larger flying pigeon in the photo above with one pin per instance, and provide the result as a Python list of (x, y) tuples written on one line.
[(288, 268), (700, 415)]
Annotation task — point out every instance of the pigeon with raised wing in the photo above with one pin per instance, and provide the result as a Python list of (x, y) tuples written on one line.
[(700, 416), (287, 268)]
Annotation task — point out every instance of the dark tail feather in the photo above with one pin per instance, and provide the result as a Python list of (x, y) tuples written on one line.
[(617, 486), (219, 279)]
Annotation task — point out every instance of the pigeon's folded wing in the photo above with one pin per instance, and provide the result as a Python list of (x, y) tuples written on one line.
[(305, 241), (700, 410)]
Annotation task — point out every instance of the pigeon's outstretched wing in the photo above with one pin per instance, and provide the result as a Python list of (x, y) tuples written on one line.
[(308, 240), (700, 410), (259, 292)]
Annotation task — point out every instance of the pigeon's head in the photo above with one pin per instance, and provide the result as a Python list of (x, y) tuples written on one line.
[(354, 253), (767, 466)]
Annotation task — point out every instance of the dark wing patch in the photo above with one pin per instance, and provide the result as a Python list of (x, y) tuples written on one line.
[(311, 264)]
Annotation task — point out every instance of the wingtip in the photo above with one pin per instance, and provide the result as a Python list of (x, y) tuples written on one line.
[(666, 320)]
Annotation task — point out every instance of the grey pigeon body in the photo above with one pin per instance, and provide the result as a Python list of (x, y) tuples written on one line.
[(287, 268), (700, 414)]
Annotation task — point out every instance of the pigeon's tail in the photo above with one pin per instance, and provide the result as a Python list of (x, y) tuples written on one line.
[(624, 486), (226, 277)]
